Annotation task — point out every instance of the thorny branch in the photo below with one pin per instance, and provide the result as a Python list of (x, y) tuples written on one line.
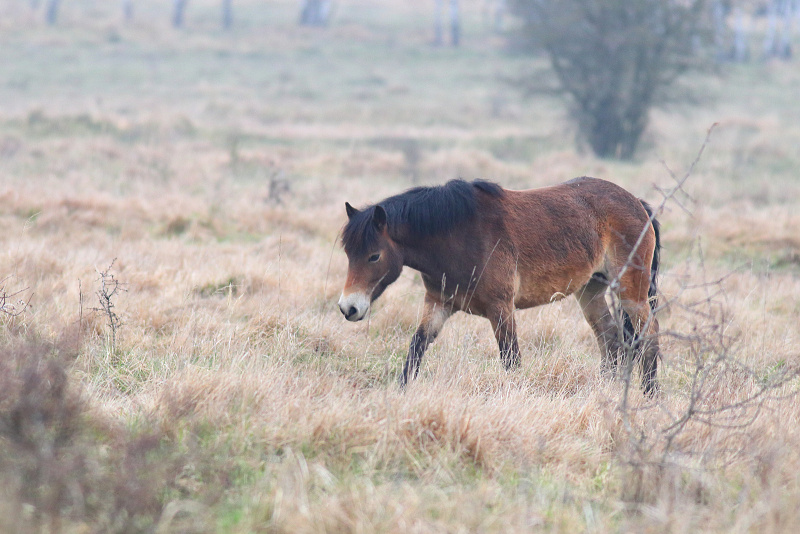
[(711, 366), (110, 287), (9, 304)]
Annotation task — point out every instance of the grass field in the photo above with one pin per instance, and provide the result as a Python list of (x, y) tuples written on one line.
[(207, 171)]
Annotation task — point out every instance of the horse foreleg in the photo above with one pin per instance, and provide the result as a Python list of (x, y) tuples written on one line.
[(434, 315), (505, 330)]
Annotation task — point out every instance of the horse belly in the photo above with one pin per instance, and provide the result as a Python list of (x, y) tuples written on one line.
[(536, 290)]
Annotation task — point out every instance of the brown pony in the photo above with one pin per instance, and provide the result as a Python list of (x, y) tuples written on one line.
[(487, 251)]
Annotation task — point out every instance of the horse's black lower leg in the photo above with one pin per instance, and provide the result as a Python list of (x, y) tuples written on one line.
[(509, 354), (416, 350), (608, 339), (433, 318), (506, 333), (641, 343), (650, 367)]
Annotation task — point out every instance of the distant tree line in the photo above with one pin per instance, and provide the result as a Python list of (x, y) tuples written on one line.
[(177, 16), (312, 13), (729, 20), (732, 31), (612, 60)]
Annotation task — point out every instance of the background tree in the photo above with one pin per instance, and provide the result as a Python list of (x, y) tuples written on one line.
[(127, 10), (315, 12), (741, 50), (227, 14), (51, 15), (455, 23), (493, 14), (178, 9), (615, 59), (438, 23), (778, 38)]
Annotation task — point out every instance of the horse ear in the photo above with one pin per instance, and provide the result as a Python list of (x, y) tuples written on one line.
[(350, 210), (379, 218)]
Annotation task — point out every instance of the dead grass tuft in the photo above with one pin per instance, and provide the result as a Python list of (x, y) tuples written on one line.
[(238, 399)]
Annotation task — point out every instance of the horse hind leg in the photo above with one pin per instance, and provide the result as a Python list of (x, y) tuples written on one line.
[(641, 326), (592, 299), (642, 341)]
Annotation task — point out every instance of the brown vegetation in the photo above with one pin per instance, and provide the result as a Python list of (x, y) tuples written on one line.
[(236, 398)]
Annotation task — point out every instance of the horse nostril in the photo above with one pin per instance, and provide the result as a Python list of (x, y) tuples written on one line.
[(351, 312)]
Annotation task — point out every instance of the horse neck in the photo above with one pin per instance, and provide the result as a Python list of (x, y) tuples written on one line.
[(419, 259), (434, 255), (447, 264), (420, 254)]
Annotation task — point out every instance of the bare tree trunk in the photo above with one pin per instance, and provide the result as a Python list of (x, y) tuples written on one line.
[(52, 12), (455, 26), (770, 47), (797, 13), (438, 23), (177, 15), (720, 31), (493, 13), (499, 12), (741, 52), (227, 14), (315, 12), (785, 44), (127, 10)]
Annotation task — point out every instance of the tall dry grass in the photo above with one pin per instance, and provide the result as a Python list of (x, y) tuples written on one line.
[(235, 398)]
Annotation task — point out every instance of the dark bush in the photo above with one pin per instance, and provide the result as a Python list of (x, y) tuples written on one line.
[(61, 465), (615, 59)]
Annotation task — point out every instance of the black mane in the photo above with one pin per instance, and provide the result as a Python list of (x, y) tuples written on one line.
[(424, 211)]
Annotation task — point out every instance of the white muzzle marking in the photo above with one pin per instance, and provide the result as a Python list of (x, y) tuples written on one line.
[(354, 306)]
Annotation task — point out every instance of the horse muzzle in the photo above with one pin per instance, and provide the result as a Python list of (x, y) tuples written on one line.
[(354, 306)]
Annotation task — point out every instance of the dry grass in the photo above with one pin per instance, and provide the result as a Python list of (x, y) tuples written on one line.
[(234, 377)]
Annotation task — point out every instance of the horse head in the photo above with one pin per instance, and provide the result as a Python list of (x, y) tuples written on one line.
[(374, 260)]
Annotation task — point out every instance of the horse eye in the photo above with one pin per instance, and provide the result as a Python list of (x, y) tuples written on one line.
[(374, 258)]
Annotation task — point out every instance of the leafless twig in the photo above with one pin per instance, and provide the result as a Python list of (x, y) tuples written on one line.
[(717, 387), (110, 287), (9, 304)]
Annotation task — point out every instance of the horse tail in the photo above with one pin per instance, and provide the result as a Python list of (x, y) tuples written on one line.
[(652, 291)]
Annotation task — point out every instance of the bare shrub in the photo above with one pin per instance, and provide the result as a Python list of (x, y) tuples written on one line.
[(11, 304), (706, 419), (715, 393), (278, 187), (614, 60), (63, 466), (39, 413), (110, 287)]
